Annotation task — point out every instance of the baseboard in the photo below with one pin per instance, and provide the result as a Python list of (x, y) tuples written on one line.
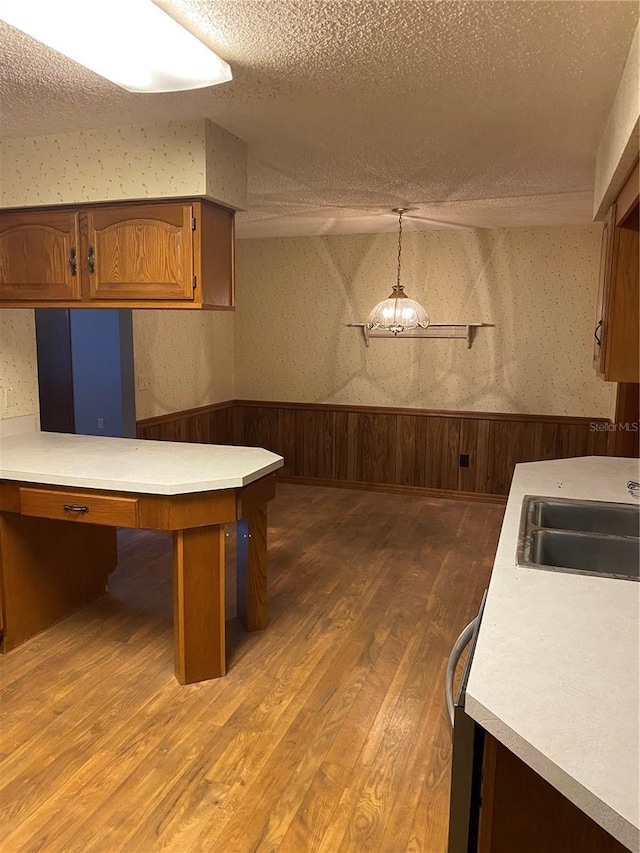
[(394, 489)]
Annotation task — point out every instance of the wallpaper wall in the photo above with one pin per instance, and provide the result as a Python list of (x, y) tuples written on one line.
[(226, 167), (183, 360), (151, 161), (618, 147), (295, 295), (537, 286), (18, 375)]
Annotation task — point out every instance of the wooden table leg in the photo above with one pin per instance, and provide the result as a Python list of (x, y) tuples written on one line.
[(198, 603), (252, 567)]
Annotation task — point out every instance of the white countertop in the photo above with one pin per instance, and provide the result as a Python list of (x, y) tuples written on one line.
[(131, 465), (555, 675)]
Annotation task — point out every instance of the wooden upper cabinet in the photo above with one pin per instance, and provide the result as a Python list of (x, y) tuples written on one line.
[(143, 252), (39, 256), (604, 281), (617, 333), (177, 254)]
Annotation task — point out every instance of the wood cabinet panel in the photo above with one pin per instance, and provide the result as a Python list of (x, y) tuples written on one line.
[(622, 318), (625, 439), (39, 255), (80, 507), (214, 252), (523, 812), (617, 334), (49, 570), (140, 252), (604, 283)]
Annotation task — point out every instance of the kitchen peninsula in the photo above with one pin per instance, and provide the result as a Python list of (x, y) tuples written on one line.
[(63, 496)]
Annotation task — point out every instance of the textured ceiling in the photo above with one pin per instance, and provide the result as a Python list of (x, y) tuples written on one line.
[(474, 113)]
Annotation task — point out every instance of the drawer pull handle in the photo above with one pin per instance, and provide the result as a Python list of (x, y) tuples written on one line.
[(75, 508)]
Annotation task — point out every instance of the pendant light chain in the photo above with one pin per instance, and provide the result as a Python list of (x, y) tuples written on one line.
[(397, 313), (399, 245)]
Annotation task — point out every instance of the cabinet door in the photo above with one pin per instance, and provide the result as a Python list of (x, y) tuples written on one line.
[(140, 252), (39, 256), (604, 287), (522, 813)]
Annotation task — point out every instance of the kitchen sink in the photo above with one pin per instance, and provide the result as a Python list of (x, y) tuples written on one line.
[(584, 537)]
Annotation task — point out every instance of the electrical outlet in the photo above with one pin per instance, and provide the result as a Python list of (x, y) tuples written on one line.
[(143, 383), (464, 460), (100, 423)]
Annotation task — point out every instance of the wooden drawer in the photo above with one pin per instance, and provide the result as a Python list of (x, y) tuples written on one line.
[(79, 506)]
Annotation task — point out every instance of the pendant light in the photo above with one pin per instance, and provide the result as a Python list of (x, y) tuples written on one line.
[(398, 313)]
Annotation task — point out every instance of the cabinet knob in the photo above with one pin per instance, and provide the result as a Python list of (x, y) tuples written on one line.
[(91, 259)]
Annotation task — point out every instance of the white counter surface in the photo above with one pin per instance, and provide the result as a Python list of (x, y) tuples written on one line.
[(555, 675), (131, 465)]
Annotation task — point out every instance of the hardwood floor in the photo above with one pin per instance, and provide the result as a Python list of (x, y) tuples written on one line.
[(329, 732)]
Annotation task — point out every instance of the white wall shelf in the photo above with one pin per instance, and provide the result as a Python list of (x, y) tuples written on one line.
[(460, 331)]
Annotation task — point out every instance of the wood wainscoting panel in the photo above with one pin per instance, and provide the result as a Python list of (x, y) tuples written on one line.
[(205, 425), (313, 443), (474, 442), (545, 441), (375, 448), (442, 453), (400, 449), (411, 450), (509, 442)]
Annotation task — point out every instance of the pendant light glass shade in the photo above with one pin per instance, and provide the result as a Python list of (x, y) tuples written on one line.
[(398, 313)]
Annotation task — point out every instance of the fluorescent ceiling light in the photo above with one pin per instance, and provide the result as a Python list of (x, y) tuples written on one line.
[(134, 43)]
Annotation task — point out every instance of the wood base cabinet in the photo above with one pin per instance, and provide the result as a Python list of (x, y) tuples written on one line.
[(176, 254), (522, 812)]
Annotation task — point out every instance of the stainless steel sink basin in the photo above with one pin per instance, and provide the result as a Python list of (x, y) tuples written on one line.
[(616, 556), (585, 537), (587, 516)]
